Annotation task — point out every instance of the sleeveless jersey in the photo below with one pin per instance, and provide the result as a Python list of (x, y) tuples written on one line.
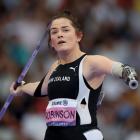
[(67, 81)]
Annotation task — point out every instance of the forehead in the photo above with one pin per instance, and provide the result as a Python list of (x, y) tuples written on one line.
[(60, 22)]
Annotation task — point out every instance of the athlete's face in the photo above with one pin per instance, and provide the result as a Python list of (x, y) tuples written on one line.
[(63, 36)]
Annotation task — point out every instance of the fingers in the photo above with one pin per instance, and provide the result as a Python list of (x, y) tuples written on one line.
[(13, 90), (16, 90)]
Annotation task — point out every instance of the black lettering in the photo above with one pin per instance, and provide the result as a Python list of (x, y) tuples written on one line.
[(66, 114), (52, 114), (56, 114), (72, 114), (61, 114)]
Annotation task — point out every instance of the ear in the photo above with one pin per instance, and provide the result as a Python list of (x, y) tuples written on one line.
[(79, 36)]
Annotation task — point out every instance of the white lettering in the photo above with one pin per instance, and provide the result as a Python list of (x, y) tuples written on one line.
[(59, 79)]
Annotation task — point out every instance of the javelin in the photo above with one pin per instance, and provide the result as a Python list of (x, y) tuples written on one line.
[(23, 73)]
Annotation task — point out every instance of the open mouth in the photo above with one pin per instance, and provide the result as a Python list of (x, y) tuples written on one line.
[(61, 42)]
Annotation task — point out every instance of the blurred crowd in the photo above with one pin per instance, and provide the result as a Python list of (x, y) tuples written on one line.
[(111, 28)]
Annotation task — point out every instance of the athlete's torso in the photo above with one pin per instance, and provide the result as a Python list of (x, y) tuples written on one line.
[(67, 82)]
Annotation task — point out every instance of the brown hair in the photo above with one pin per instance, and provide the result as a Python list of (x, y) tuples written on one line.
[(67, 14)]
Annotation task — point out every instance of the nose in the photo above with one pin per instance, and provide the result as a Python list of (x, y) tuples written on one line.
[(60, 35)]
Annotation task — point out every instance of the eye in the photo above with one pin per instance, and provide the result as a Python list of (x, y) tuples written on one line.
[(53, 32), (65, 30)]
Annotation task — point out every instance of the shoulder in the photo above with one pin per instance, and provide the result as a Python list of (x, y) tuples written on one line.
[(54, 65), (51, 69), (95, 59), (98, 63), (46, 79)]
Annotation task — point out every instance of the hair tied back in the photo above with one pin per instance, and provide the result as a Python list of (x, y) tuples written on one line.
[(67, 12)]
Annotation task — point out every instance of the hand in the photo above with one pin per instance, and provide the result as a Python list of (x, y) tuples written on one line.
[(16, 91)]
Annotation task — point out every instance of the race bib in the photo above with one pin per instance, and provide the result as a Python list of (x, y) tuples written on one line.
[(61, 112)]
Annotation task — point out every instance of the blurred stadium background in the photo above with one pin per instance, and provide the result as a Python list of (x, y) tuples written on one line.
[(111, 28)]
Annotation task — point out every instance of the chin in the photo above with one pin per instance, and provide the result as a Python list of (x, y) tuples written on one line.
[(62, 48)]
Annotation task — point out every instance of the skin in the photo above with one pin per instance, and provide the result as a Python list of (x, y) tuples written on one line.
[(95, 67)]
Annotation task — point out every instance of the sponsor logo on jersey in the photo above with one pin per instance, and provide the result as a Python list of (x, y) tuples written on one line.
[(73, 68)]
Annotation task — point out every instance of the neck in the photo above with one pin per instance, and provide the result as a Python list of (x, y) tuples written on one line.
[(69, 56)]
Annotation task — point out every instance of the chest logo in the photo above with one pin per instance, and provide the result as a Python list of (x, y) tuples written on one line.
[(73, 68), (59, 79)]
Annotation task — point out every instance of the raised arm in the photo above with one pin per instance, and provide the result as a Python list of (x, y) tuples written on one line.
[(100, 66)]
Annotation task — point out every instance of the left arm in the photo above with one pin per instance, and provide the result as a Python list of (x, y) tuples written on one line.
[(99, 65)]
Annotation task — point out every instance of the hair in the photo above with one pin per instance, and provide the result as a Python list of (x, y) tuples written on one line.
[(67, 14)]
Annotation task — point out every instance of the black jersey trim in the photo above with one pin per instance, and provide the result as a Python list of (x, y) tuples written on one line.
[(37, 92), (75, 61)]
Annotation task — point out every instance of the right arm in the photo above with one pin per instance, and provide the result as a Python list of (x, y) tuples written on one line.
[(28, 88), (32, 88)]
